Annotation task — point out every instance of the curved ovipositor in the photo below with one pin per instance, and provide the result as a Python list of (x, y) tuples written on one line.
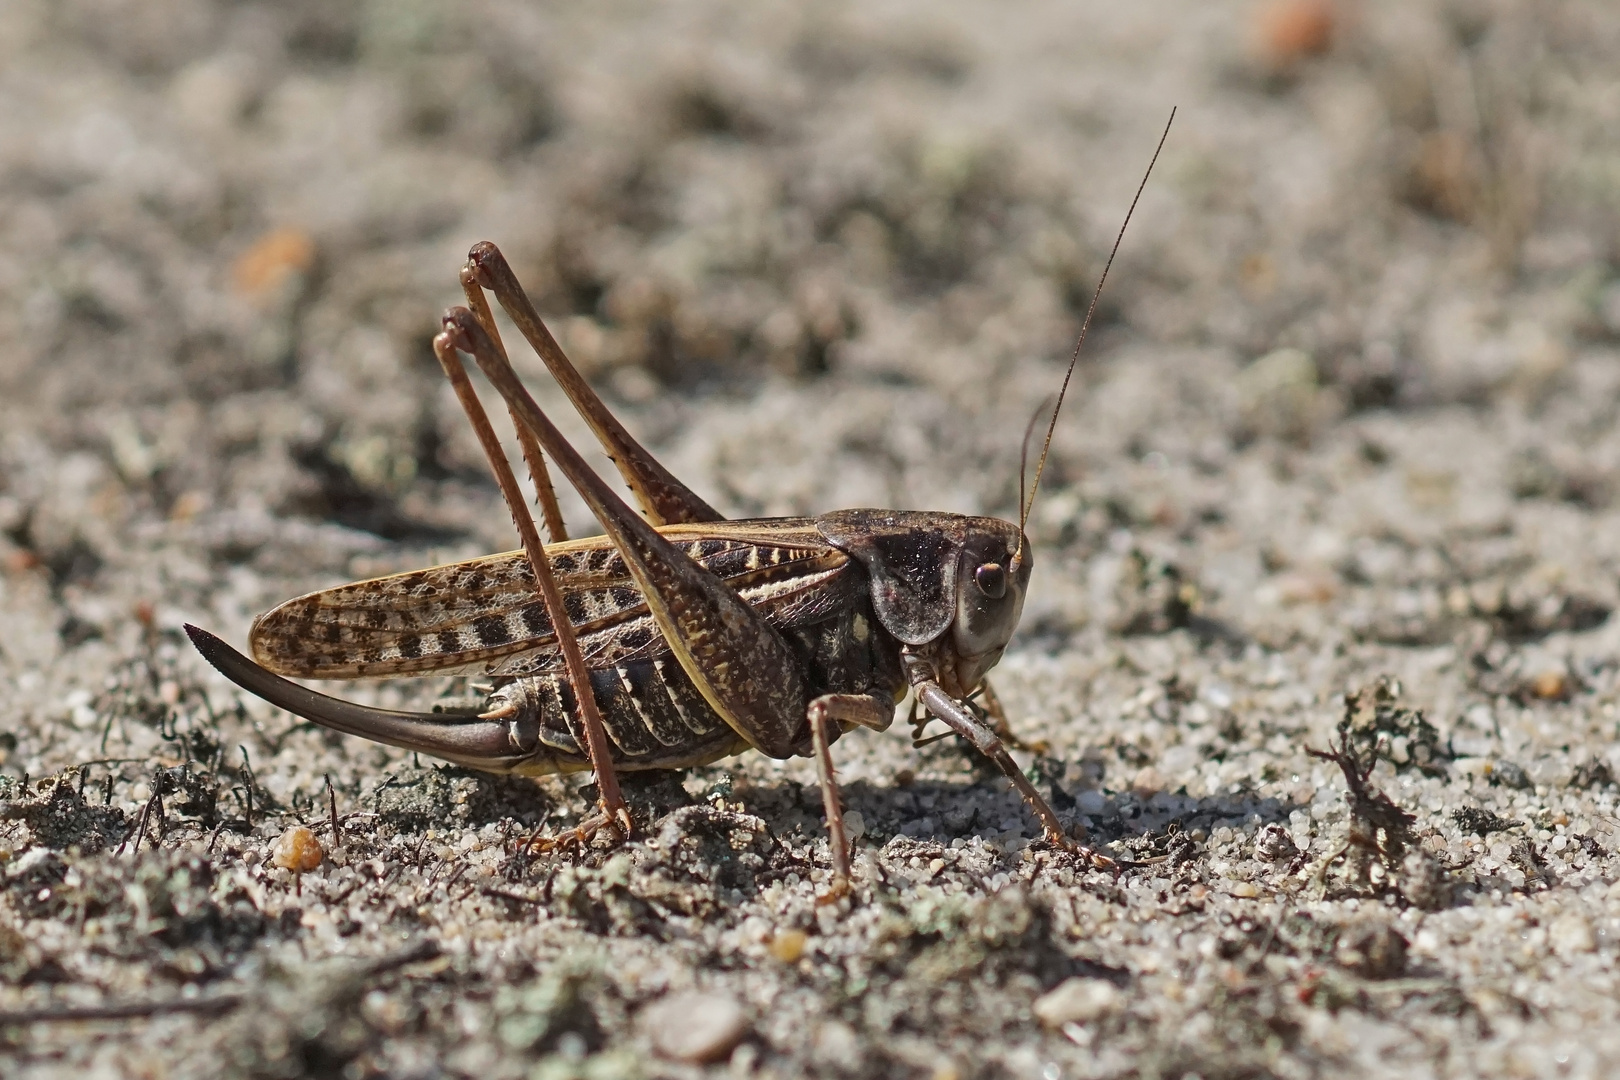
[(494, 745)]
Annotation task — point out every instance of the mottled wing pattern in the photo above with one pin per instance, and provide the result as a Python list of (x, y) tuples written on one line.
[(485, 616), (793, 592)]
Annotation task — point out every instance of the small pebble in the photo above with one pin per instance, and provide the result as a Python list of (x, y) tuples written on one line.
[(273, 258), (1244, 889), (1147, 781), (837, 1045), (298, 850), (1076, 1001), (1374, 950), (1551, 686), (694, 1027), (1510, 775), (1571, 934), (788, 945), (1274, 844)]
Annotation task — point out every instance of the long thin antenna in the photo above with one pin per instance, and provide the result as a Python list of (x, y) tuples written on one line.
[(1046, 448), (1023, 449)]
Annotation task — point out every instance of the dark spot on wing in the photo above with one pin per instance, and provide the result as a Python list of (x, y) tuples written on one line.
[(637, 637), (534, 619), (491, 630)]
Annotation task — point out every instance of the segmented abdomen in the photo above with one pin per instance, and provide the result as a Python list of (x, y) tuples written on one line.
[(657, 719)]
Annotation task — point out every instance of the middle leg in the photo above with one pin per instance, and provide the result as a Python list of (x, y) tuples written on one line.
[(862, 709), (999, 723)]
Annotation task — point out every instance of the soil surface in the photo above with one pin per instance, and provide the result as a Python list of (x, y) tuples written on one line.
[(1320, 637)]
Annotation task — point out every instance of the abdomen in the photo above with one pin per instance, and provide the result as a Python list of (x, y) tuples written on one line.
[(656, 718)]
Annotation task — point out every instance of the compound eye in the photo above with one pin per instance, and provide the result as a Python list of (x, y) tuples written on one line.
[(991, 578)]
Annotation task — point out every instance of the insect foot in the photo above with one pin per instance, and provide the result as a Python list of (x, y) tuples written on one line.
[(582, 835)]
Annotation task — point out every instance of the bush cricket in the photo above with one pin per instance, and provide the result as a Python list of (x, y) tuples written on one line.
[(678, 637)]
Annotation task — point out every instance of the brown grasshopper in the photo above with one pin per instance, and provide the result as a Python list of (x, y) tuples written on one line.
[(677, 638)]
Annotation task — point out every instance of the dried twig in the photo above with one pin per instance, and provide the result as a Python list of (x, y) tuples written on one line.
[(331, 797), (129, 1010), (1377, 824)]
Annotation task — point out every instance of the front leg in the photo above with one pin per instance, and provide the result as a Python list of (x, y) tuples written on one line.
[(961, 720)]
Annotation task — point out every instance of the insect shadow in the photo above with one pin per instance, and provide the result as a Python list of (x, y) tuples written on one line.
[(944, 811)]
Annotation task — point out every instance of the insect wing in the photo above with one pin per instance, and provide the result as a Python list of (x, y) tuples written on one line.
[(446, 618), (485, 616)]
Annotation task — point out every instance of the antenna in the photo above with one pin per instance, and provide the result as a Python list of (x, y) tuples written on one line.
[(1023, 449), (1024, 508)]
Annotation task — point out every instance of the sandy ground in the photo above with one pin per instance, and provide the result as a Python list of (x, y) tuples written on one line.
[(1339, 463)]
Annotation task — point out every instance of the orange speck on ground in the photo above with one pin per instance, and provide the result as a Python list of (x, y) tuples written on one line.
[(273, 258), (788, 945), (1551, 686), (297, 850), (1290, 30)]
